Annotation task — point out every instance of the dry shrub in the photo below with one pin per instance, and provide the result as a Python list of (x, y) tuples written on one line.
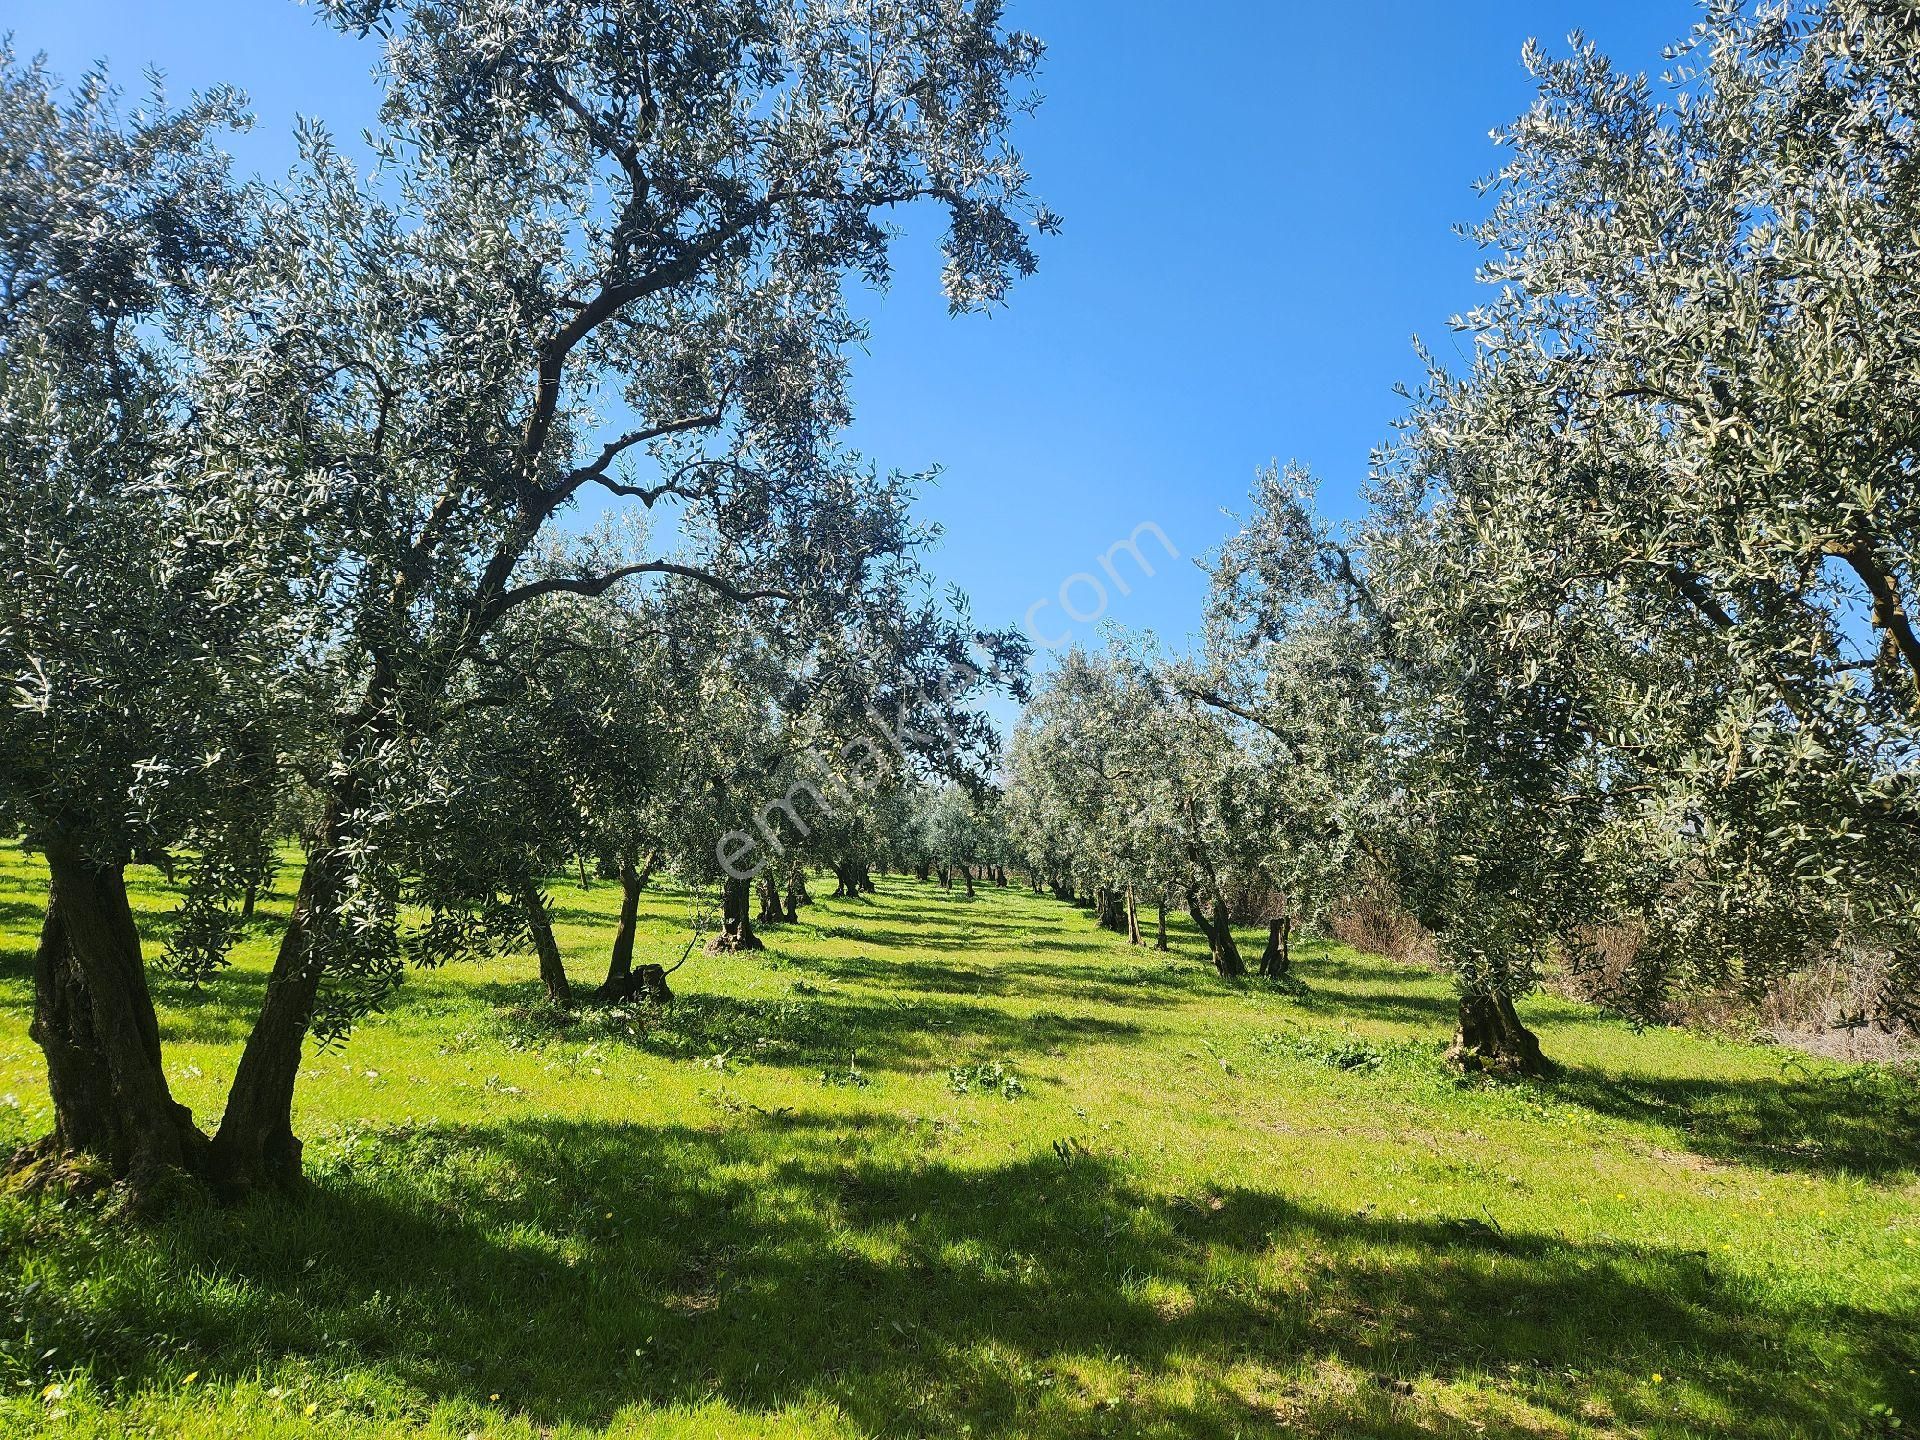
[(1373, 919), (1824, 1009), (1255, 902), (1821, 1009), (1598, 974)]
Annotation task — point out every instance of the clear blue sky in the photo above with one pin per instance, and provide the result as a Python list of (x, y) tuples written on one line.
[(1258, 197)]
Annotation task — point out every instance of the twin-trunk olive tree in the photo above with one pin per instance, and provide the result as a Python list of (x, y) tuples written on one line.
[(605, 239), (144, 616)]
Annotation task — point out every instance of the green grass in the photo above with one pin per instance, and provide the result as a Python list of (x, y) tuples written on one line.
[(933, 1167)]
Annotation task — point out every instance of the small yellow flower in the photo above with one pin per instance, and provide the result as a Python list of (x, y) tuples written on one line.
[(313, 1408), (189, 1377), (1658, 1377), (494, 1396)]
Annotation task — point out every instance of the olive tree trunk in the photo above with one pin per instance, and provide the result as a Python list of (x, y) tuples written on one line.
[(553, 970), (771, 911), (736, 919), (633, 879), (255, 1147), (1277, 959), (93, 1018), (1492, 1039), (1219, 932)]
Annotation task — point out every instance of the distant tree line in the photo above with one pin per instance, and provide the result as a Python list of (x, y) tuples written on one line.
[(1628, 639)]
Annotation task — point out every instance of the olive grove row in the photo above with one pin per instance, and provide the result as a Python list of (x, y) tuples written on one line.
[(1624, 643), (1627, 641), (291, 540)]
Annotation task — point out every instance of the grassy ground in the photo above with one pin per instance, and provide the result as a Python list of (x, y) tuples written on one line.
[(949, 1168)]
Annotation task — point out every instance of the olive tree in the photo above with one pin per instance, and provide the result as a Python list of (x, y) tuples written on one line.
[(1667, 516), (1293, 660), (1131, 786), (604, 252), (147, 580)]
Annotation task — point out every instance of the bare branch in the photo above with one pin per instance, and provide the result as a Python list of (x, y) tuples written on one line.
[(615, 448), (591, 585)]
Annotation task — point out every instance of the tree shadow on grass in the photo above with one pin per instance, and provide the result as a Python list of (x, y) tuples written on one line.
[(19, 939), (807, 1031), (909, 938), (22, 917), (1425, 1012), (576, 1269), (1142, 982), (1857, 1121), (933, 975), (221, 1011)]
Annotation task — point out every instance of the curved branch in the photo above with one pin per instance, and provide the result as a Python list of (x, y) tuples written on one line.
[(615, 448), (591, 585)]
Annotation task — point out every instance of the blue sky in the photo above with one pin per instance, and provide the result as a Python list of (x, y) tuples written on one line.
[(1259, 199)]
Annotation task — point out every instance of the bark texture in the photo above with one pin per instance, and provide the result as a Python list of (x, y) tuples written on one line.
[(553, 970), (1218, 929), (736, 919), (94, 1020), (1277, 959), (1492, 1039), (771, 911), (255, 1147), (633, 879)]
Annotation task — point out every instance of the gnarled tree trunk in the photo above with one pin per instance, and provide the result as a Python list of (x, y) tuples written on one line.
[(736, 923), (1277, 958), (1160, 912), (649, 983), (1133, 919), (255, 1147), (1219, 932), (771, 912), (93, 1018), (1491, 1038), (633, 879)]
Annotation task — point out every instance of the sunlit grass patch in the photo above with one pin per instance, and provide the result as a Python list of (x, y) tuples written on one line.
[(1207, 1210)]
